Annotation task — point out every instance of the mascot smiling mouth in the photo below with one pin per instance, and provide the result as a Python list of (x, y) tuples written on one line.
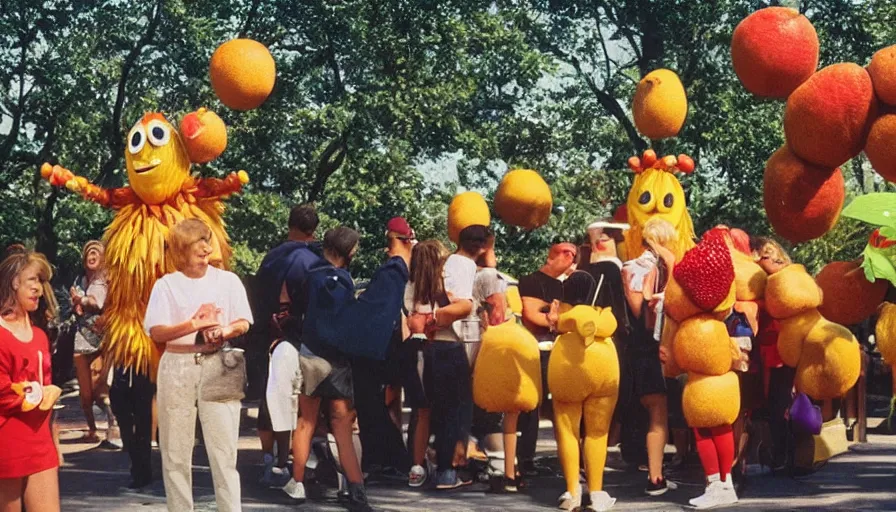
[(140, 169)]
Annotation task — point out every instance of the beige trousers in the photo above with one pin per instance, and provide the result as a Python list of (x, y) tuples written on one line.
[(180, 377)]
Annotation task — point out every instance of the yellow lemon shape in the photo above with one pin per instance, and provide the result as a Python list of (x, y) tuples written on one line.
[(660, 105), (524, 199)]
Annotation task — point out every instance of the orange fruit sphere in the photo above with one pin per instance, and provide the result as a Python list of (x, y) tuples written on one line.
[(791, 291), (524, 199), (849, 297), (660, 105), (702, 345), (802, 201), (830, 363), (711, 400), (793, 333), (885, 333), (880, 148), (467, 209), (774, 50), (827, 118), (204, 135), (883, 74), (242, 73)]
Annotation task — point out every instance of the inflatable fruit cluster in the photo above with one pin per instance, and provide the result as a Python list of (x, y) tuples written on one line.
[(825, 354), (656, 191), (704, 292), (831, 116)]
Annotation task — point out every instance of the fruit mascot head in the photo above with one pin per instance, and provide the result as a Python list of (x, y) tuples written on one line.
[(656, 192)]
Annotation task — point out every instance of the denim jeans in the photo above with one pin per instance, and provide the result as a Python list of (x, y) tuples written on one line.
[(448, 382)]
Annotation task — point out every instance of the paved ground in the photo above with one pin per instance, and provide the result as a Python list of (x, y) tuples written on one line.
[(93, 479)]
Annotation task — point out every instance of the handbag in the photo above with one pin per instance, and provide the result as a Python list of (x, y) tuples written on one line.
[(805, 417), (224, 375)]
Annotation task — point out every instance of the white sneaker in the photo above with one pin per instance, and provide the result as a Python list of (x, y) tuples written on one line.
[(569, 502), (717, 494), (417, 476), (601, 501), (295, 490)]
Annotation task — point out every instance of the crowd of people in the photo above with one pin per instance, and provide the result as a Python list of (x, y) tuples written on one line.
[(343, 364)]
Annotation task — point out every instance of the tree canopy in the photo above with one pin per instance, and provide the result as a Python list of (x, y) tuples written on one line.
[(377, 102)]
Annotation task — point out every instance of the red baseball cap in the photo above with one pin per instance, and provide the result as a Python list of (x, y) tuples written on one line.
[(399, 226)]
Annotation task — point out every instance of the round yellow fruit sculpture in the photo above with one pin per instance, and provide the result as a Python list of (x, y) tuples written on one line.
[(242, 72), (204, 134), (467, 209), (885, 332), (523, 199), (660, 105), (749, 278), (793, 334), (507, 374), (711, 400), (702, 345), (790, 292), (830, 363)]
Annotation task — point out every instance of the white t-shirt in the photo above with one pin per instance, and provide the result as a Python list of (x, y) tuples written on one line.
[(458, 274), (175, 298)]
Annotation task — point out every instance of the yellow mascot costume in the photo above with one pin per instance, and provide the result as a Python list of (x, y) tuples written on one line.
[(656, 191), (161, 193), (583, 376)]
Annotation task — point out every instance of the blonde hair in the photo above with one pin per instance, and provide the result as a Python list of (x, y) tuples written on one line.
[(184, 234), (11, 267), (762, 244), (659, 232)]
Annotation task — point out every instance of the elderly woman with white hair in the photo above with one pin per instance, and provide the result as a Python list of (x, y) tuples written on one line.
[(193, 311)]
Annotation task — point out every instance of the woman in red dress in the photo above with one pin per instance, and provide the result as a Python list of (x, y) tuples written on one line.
[(29, 462)]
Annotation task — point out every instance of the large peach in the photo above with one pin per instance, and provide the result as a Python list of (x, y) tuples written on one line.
[(204, 135), (774, 50), (848, 296), (880, 148), (802, 201), (828, 117), (883, 74), (660, 105)]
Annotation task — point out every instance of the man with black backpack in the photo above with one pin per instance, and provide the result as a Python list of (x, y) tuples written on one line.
[(281, 281)]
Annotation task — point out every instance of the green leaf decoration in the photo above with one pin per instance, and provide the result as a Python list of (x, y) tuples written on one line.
[(878, 266), (878, 208), (888, 232)]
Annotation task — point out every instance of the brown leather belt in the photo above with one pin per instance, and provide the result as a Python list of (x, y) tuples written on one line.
[(192, 349)]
